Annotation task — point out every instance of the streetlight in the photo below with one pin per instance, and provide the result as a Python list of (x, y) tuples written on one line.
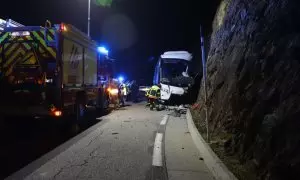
[(89, 17), (105, 3)]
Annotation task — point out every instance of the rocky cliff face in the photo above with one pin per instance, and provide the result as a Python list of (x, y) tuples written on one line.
[(254, 84)]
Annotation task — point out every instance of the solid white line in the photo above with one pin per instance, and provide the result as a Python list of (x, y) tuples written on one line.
[(157, 150), (164, 121)]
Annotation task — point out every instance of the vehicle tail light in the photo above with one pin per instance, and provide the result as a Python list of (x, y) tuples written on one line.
[(57, 113), (113, 91), (39, 81)]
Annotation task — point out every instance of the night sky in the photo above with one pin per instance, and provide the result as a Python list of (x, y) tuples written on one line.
[(135, 31)]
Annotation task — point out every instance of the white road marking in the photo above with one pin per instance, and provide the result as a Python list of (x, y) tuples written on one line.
[(157, 150), (164, 121)]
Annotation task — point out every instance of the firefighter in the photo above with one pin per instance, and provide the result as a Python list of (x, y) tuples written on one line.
[(153, 96), (124, 89), (114, 96), (122, 94)]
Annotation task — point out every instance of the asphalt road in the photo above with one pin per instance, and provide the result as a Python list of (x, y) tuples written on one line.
[(119, 147), (24, 140)]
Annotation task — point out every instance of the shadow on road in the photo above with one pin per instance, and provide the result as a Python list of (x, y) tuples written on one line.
[(24, 140)]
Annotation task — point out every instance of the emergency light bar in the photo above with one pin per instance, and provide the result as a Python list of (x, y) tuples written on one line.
[(24, 33), (2, 21), (12, 23), (63, 27), (9, 23)]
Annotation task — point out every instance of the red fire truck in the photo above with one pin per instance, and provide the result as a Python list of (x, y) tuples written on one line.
[(50, 71)]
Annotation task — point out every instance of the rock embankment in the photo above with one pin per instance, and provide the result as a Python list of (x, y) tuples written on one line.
[(253, 83)]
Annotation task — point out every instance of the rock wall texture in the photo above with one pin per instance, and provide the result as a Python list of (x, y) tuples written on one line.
[(253, 83)]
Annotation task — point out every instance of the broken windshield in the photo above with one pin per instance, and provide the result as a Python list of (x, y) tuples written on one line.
[(175, 72), (172, 68)]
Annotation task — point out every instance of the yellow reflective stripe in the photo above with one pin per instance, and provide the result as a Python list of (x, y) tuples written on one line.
[(50, 50), (155, 88), (41, 49), (31, 60), (4, 37), (9, 70), (9, 51), (53, 34), (12, 48), (19, 51), (49, 37), (27, 46)]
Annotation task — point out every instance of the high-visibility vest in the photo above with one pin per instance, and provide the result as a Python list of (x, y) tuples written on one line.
[(154, 92), (124, 89), (147, 93)]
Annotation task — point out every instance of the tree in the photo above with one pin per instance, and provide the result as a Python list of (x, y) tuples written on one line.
[(105, 3)]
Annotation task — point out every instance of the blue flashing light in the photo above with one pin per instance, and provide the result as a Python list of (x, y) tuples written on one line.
[(103, 50), (121, 78)]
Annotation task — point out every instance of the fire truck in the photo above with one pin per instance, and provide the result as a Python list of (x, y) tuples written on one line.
[(52, 71)]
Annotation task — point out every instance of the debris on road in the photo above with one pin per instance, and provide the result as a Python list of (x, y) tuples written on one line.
[(177, 110)]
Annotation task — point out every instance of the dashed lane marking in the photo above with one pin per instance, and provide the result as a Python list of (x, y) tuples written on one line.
[(164, 121), (157, 150)]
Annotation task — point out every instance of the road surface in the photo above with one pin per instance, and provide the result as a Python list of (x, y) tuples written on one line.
[(119, 147), (24, 140)]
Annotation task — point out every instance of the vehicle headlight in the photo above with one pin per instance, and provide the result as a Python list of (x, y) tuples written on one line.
[(113, 91)]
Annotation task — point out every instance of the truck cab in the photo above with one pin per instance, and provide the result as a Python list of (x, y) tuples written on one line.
[(172, 73)]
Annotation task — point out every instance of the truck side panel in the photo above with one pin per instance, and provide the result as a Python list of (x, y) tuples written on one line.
[(90, 67), (79, 67), (72, 63)]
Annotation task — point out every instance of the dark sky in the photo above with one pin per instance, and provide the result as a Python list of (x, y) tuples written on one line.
[(134, 30)]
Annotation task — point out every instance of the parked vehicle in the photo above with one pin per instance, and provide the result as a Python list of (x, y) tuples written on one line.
[(49, 71)]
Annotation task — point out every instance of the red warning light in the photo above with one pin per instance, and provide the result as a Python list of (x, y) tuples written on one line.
[(63, 27)]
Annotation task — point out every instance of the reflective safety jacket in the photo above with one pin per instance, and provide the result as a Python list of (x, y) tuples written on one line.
[(124, 89), (153, 92)]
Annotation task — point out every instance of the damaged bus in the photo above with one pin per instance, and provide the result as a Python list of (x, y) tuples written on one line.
[(172, 73)]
